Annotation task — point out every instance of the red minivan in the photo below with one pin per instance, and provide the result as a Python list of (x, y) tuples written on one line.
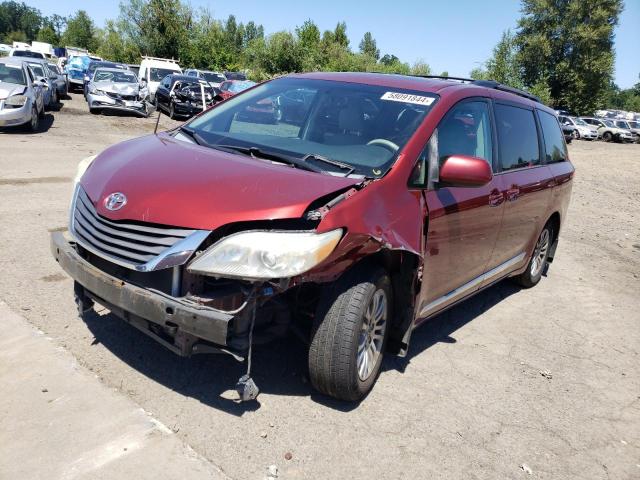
[(368, 205)]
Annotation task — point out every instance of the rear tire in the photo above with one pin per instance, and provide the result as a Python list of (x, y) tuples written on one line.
[(538, 261), (350, 332)]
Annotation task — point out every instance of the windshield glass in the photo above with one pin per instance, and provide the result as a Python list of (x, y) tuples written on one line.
[(579, 121), (116, 77), (78, 62), (622, 124), (237, 87), (157, 74), (364, 126), (12, 74), (27, 53), (634, 124), (213, 77), (608, 123), (37, 70)]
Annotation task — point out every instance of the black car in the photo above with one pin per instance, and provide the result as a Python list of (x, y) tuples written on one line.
[(567, 131), (91, 69), (235, 76), (181, 95)]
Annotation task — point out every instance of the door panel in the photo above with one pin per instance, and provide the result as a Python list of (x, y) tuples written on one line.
[(463, 222), (527, 195)]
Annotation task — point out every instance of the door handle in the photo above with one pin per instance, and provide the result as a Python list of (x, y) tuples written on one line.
[(495, 198), (512, 193)]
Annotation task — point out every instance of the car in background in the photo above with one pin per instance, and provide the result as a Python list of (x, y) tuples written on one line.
[(135, 68), (633, 127), (93, 65), (567, 132), (232, 87), (397, 199), (75, 68), (608, 131), (153, 70), (59, 79), (181, 95), (21, 99), (16, 52), (42, 73), (580, 128), (214, 79), (235, 76), (116, 89)]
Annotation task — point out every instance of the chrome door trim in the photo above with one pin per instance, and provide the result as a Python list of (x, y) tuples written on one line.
[(461, 291)]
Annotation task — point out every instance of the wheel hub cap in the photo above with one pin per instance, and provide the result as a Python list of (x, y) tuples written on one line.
[(374, 326), (540, 253)]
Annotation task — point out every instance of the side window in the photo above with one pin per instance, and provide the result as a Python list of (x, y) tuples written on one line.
[(517, 137), (466, 130), (554, 145), (166, 82)]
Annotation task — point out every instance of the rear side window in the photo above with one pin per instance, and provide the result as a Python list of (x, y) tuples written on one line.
[(517, 137), (554, 145)]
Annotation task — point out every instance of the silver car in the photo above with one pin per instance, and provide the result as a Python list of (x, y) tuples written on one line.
[(42, 74), (214, 79), (60, 80), (117, 89), (21, 98)]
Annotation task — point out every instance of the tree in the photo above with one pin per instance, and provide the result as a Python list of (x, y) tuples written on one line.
[(340, 35), (389, 59), (567, 46), (420, 68), (369, 47), (80, 32), (47, 34), (19, 20)]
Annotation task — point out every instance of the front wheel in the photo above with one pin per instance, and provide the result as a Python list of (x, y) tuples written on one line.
[(349, 334), (607, 136), (575, 134), (34, 124), (532, 275)]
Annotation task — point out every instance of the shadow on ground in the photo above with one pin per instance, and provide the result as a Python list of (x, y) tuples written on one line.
[(280, 368)]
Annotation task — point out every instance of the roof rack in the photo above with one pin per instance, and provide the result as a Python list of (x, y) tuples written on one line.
[(172, 60), (487, 84)]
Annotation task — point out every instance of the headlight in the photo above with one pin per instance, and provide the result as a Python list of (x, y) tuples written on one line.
[(95, 91), (265, 255), (82, 167), (16, 100)]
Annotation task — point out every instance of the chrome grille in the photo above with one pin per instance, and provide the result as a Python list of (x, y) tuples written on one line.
[(128, 244)]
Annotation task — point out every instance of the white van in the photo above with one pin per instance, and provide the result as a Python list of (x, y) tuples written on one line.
[(153, 70)]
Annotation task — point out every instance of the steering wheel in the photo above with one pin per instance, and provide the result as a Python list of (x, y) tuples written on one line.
[(383, 142)]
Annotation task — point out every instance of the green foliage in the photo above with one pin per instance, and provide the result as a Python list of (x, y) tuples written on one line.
[(81, 32), (19, 22), (568, 46), (369, 47), (628, 99), (47, 34)]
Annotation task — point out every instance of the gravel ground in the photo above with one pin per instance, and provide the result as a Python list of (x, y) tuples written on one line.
[(511, 384)]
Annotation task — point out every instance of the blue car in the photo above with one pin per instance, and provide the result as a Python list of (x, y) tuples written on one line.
[(76, 68)]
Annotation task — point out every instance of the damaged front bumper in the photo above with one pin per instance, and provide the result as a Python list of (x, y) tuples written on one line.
[(179, 323), (105, 102)]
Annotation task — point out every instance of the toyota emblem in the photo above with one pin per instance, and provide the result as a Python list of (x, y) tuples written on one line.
[(115, 201)]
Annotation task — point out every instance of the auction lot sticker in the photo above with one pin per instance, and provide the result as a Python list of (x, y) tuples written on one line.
[(407, 98)]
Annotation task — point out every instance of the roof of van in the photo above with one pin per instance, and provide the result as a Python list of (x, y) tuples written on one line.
[(153, 62)]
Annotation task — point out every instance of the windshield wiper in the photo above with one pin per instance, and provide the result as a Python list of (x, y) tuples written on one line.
[(196, 138), (320, 158), (278, 157)]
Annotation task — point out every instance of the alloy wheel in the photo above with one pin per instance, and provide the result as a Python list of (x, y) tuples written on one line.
[(371, 340), (540, 253)]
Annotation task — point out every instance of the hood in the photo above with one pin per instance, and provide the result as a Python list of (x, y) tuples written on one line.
[(8, 89), (117, 87), (172, 182)]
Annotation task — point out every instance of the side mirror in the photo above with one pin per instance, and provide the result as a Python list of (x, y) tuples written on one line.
[(465, 171)]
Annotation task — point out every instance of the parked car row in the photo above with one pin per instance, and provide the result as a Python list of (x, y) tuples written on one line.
[(29, 85), (598, 128)]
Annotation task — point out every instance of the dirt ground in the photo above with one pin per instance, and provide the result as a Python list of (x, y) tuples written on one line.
[(470, 401)]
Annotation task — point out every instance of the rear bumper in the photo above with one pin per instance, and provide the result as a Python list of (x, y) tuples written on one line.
[(131, 300)]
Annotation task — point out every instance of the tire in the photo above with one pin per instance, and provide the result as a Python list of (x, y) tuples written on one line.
[(34, 124), (607, 136), (94, 111), (538, 261), (347, 348), (54, 98)]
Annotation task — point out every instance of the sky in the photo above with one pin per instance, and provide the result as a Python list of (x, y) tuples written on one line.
[(453, 36)]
